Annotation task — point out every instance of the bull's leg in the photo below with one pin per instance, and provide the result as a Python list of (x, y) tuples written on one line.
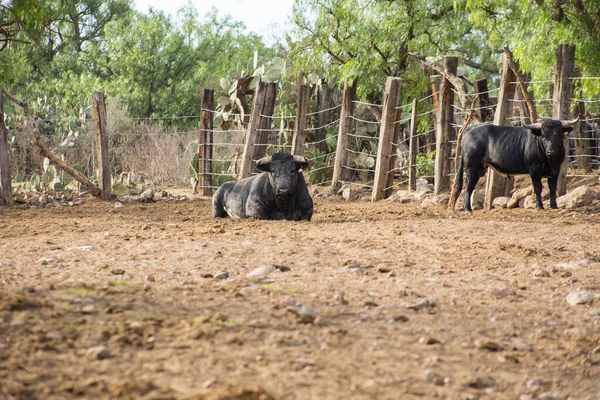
[(472, 178), (218, 211), (552, 183), (537, 188)]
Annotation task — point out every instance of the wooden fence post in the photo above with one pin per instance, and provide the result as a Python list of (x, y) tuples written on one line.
[(104, 171), (386, 144), (205, 149), (445, 117), (341, 155), (260, 122), (4, 159), (300, 126), (413, 147), (389, 189), (482, 99), (497, 184), (561, 101), (435, 82), (324, 116), (581, 136)]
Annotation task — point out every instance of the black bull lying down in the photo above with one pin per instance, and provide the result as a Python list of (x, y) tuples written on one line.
[(279, 192), (535, 149)]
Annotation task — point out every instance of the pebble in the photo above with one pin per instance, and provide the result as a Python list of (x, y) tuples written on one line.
[(117, 271), (595, 313), (383, 269), (305, 314), (89, 309), (488, 345), (288, 302), (535, 383), (151, 278), (221, 275), (495, 291), (55, 336), (428, 340), (434, 377), (581, 297), (98, 352), (540, 273), (261, 271), (482, 382), (47, 260), (429, 302), (119, 205)]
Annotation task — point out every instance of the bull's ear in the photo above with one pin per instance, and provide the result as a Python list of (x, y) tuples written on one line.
[(567, 130), (301, 166), (536, 132)]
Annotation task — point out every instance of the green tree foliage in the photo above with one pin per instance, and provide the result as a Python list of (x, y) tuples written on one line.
[(367, 40), (61, 51)]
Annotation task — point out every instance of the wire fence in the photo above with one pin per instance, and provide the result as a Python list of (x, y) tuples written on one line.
[(155, 151)]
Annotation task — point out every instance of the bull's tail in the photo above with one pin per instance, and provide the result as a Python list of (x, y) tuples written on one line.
[(458, 183)]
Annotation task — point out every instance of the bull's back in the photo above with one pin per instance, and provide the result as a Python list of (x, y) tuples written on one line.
[(502, 148)]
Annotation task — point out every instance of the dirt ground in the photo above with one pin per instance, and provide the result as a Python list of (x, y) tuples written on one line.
[(368, 301)]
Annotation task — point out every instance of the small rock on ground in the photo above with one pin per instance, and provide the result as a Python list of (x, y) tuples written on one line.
[(581, 297)]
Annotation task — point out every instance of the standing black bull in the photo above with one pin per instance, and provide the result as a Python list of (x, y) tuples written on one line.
[(279, 192), (535, 149)]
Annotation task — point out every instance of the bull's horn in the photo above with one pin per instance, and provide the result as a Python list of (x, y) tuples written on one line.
[(569, 123), (263, 161), (533, 126), (300, 159)]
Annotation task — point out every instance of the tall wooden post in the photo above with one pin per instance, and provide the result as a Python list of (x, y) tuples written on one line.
[(435, 81), (205, 149), (413, 147), (4, 159), (301, 118), (482, 99), (389, 189), (104, 172), (260, 122), (341, 155), (324, 116), (385, 147), (445, 117), (561, 100), (581, 136), (496, 184)]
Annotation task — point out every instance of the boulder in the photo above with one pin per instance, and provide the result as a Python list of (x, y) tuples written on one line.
[(518, 195), (579, 197), (500, 202)]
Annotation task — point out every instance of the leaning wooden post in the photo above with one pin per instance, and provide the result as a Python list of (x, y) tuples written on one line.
[(497, 184), (341, 154), (324, 116), (445, 117), (104, 172), (385, 148), (561, 101), (4, 160), (413, 147), (482, 98), (581, 136), (260, 122), (206, 141), (301, 119)]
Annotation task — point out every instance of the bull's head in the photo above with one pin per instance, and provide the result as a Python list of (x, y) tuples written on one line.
[(283, 169), (552, 132)]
